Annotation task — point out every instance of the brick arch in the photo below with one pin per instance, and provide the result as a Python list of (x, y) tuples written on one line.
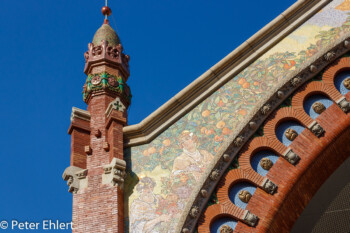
[(297, 183), (226, 207), (310, 89), (341, 65), (255, 146), (283, 115)]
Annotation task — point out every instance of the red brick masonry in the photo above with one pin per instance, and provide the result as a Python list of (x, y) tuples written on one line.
[(319, 158), (99, 207)]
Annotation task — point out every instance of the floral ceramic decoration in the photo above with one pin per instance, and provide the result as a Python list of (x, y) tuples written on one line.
[(163, 173)]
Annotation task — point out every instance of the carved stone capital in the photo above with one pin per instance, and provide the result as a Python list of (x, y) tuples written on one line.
[(344, 104), (73, 175), (249, 218), (81, 174), (290, 156), (316, 129), (114, 173), (116, 104), (269, 186)]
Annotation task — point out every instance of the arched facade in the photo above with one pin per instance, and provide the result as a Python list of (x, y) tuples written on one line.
[(295, 181), (243, 148)]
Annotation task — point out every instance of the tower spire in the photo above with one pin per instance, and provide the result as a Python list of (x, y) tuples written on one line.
[(97, 171), (106, 11), (105, 55)]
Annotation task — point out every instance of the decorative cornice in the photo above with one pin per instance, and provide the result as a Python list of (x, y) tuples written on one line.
[(222, 72), (80, 114), (104, 81), (80, 119), (103, 54), (244, 131)]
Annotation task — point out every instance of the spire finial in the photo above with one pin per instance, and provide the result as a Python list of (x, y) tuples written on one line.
[(106, 11)]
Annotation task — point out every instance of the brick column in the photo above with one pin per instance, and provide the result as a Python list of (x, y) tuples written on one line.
[(99, 207), (97, 170)]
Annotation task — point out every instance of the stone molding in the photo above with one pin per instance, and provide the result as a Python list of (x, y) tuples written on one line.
[(305, 73), (343, 104), (221, 73), (80, 114), (316, 129), (114, 173), (250, 219), (76, 178), (290, 156), (80, 119)]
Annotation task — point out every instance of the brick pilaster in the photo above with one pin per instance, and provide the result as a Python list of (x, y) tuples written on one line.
[(99, 207), (80, 137)]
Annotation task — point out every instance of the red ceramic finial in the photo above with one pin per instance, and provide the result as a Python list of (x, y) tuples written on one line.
[(106, 11)]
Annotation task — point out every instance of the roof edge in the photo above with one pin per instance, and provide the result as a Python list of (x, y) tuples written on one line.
[(221, 73)]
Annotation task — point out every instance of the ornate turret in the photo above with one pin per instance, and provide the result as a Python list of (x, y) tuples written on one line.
[(106, 65), (97, 171)]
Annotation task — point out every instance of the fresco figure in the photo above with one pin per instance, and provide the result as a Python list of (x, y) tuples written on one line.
[(192, 160), (143, 216)]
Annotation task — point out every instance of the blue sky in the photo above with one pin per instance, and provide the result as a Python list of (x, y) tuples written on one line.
[(170, 43)]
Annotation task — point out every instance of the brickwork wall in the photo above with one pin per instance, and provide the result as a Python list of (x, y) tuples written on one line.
[(79, 139), (99, 207)]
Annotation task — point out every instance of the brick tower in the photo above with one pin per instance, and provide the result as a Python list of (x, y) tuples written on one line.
[(97, 169)]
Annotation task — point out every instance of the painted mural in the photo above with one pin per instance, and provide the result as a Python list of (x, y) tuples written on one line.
[(163, 173)]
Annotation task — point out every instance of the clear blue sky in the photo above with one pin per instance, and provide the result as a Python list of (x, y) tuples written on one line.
[(171, 43)]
